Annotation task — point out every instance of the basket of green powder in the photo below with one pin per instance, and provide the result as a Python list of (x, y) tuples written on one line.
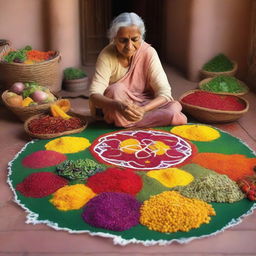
[(224, 84), (219, 65)]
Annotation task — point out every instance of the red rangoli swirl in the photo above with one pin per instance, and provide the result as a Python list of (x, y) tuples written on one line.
[(142, 149)]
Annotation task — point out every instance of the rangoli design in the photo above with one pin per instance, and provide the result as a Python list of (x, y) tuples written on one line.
[(141, 149), (149, 186)]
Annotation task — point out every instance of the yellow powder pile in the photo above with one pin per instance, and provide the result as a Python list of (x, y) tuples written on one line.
[(68, 145), (72, 197), (171, 177), (171, 212), (196, 132)]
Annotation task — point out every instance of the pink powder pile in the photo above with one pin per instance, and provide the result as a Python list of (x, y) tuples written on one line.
[(43, 158)]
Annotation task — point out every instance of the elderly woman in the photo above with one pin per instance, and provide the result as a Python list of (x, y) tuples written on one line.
[(130, 85)]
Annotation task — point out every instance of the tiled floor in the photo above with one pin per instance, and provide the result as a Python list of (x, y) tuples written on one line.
[(20, 239)]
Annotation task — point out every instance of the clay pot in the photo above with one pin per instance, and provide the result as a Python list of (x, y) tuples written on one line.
[(76, 85)]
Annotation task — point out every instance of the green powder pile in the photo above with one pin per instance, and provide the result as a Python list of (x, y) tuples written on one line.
[(197, 171), (150, 187), (80, 169), (213, 188), (219, 63), (223, 84)]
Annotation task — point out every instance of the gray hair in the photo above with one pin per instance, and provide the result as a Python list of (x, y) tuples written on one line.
[(126, 19)]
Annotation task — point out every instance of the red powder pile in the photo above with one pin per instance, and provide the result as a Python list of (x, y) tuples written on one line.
[(214, 101), (43, 158), (41, 184), (115, 180)]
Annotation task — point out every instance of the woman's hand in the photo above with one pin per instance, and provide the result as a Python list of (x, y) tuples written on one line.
[(131, 111)]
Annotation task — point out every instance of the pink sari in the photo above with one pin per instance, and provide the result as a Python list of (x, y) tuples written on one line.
[(134, 88)]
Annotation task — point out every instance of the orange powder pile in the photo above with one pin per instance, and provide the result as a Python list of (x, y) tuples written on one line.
[(234, 166)]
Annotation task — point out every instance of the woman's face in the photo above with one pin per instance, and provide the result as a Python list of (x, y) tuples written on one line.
[(128, 40)]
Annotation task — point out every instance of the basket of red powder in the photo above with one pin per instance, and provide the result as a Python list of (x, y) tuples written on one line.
[(210, 107), (27, 64), (44, 126)]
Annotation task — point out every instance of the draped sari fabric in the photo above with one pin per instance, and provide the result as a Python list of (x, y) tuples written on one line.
[(134, 87)]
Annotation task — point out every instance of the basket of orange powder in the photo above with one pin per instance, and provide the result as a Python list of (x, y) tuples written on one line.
[(27, 64)]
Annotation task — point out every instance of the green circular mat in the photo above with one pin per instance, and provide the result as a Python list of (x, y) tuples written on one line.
[(40, 210)]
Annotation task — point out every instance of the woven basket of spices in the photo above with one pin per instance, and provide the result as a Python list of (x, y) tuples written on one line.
[(219, 65), (213, 108), (232, 85), (44, 126), (231, 72), (47, 73)]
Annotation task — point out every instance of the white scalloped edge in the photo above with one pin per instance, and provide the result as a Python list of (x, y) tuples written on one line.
[(32, 218)]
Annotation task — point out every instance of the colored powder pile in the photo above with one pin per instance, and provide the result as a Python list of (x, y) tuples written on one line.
[(113, 211), (72, 197), (223, 83), (234, 166), (43, 158), (115, 180), (213, 188), (214, 101), (67, 145), (196, 132), (79, 169), (197, 171), (41, 184), (150, 187), (172, 212), (171, 177)]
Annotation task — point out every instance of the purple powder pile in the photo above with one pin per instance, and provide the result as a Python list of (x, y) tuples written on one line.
[(112, 210)]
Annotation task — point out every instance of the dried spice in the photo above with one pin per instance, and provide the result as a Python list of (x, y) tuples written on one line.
[(213, 188), (223, 84), (171, 177), (113, 211), (172, 212), (43, 158), (49, 124), (115, 180), (150, 187), (41, 184), (80, 169), (214, 101), (197, 171), (196, 132), (219, 63), (234, 166), (68, 145), (72, 197)]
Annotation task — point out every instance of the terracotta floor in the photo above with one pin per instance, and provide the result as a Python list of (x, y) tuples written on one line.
[(20, 239)]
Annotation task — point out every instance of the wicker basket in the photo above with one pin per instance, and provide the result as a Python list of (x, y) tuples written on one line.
[(210, 115), (23, 113), (54, 135), (46, 73), (242, 84), (227, 73)]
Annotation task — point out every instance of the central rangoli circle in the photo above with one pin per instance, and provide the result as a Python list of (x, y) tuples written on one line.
[(141, 149)]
